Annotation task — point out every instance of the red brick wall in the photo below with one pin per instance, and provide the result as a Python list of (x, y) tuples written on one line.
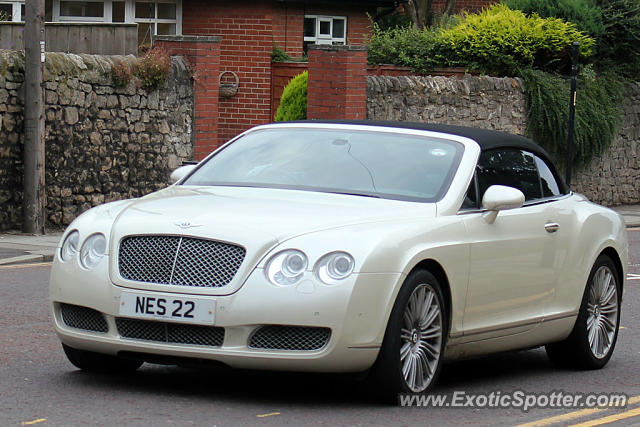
[(246, 30), (337, 82), (203, 55)]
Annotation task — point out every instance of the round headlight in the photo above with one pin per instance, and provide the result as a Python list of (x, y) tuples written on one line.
[(334, 267), (70, 246), (93, 249), (286, 267)]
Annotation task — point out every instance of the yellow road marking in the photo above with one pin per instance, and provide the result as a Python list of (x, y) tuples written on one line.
[(573, 415), (622, 327), (268, 415), (39, 420), (610, 418), (16, 266)]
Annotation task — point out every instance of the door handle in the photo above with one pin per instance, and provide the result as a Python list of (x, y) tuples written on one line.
[(552, 227)]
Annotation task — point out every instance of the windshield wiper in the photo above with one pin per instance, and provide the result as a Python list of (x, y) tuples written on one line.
[(348, 193)]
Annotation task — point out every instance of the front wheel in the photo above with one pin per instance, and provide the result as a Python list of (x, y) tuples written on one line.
[(98, 362), (411, 355), (595, 332)]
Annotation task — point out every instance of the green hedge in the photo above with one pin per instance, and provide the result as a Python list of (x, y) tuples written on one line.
[(584, 13), (498, 41), (293, 103)]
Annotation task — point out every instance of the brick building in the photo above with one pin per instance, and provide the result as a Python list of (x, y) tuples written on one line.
[(241, 34), (249, 30)]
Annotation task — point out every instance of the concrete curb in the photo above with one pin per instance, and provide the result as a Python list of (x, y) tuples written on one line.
[(27, 259)]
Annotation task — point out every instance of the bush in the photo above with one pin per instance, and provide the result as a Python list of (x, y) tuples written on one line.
[(500, 41), (406, 46), (121, 74), (153, 68), (619, 46), (598, 112), (584, 13), (293, 103)]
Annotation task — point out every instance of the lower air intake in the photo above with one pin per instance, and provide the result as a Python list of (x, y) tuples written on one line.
[(78, 317), (170, 332), (303, 338)]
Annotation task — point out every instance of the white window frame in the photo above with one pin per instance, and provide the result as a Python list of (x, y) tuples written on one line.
[(326, 38), (155, 21), (16, 10), (106, 16), (129, 14)]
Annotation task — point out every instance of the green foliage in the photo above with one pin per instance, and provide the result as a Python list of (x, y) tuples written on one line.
[(279, 55), (500, 41), (406, 46), (4, 16), (393, 20), (584, 13), (598, 112), (153, 68), (121, 74), (619, 46), (497, 40), (293, 103)]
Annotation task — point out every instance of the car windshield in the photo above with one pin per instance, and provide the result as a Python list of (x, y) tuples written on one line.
[(364, 163)]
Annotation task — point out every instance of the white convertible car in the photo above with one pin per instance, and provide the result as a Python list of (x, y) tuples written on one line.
[(345, 247)]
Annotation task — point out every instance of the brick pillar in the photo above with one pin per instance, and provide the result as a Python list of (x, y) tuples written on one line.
[(203, 55), (337, 82)]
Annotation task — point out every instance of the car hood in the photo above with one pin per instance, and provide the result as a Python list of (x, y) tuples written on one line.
[(257, 219), (257, 213)]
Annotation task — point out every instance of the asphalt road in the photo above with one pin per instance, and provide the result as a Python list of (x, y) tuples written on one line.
[(39, 387)]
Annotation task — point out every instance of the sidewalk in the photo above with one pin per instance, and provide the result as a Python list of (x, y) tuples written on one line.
[(18, 248)]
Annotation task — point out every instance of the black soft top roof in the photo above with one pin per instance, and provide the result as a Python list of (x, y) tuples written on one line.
[(487, 139)]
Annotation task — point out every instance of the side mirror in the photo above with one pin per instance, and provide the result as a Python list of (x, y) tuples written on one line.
[(500, 198), (180, 173)]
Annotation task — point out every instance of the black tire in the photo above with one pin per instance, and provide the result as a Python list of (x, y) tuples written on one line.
[(98, 362), (575, 351), (387, 374)]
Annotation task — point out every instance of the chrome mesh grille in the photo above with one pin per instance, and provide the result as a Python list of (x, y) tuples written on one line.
[(276, 337), (170, 332), (85, 318), (182, 261)]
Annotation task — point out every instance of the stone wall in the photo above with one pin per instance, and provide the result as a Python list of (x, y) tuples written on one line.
[(499, 103), (102, 142), (614, 178)]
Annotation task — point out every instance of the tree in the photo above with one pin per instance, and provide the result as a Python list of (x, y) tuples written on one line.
[(421, 11)]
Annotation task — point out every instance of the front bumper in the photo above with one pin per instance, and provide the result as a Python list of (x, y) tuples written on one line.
[(355, 312)]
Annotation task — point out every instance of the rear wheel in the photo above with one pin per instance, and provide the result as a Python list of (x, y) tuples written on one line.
[(98, 362), (411, 355), (595, 332)]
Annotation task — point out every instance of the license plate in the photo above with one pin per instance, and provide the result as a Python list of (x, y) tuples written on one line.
[(193, 310)]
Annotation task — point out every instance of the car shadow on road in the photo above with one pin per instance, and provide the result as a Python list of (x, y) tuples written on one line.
[(263, 387)]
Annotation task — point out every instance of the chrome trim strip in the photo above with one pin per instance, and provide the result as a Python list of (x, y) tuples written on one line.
[(527, 322), (175, 261)]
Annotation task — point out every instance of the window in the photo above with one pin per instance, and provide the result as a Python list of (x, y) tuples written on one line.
[(12, 11), (324, 30), (152, 17), (155, 18), (548, 182), (510, 167), (471, 198), (518, 169), (82, 10)]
